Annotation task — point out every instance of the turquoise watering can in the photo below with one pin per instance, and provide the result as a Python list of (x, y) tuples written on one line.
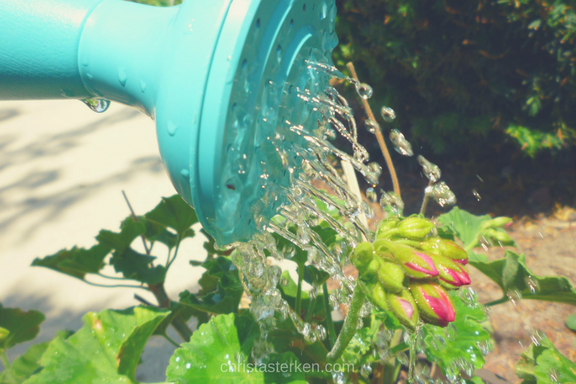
[(216, 75)]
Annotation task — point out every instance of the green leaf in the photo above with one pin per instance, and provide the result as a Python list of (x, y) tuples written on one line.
[(3, 334), (314, 276), (470, 228), (218, 351), (512, 274), (21, 325), (544, 364), (136, 266), (221, 288), (474, 380), (360, 344), (76, 262), (106, 350), (156, 232), (129, 230), (175, 213), (27, 364), (571, 322), (461, 340)]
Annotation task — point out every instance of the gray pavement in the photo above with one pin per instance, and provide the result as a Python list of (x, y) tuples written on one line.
[(62, 170)]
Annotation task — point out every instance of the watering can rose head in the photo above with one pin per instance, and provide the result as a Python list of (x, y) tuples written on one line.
[(408, 269)]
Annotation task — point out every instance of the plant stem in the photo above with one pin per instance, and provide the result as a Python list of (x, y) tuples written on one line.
[(379, 136), (115, 286), (425, 201), (499, 301), (136, 220), (298, 308), (169, 263), (164, 302), (390, 367), (350, 325), (4, 359), (329, 322), (171, 341)]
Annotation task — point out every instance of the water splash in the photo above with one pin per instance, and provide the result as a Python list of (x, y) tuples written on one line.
[(98, 105), (431, 171)]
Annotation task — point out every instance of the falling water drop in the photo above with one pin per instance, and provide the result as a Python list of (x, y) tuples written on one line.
[(366, 371), (442, 194), (97, 105), (401, 145), (122, 76), (372, 126), (364, 90), (388, 114), (432, 171), (371, 195), (476, 195)]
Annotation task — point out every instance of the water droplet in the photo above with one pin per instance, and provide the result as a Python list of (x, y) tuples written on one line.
[(122, 76), (142, 86), (97, 105), (372, 126), (432, 171), (364, 90), (338, 378), (391, 202), (366, 371), (184, 172), (388, 114), (532, 284), (401, 145), (514, 295), (371, 195), (442, 194), (476, 195)]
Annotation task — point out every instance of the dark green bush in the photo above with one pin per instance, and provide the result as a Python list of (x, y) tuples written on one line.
[(455, 70)]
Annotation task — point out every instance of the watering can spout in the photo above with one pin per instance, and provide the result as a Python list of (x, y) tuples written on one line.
[(213, 74)]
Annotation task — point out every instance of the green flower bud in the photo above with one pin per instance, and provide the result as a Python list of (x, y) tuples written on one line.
[(404, 308), (434, 303), (445, 248), (416, 264), (415, 228), (362, 256), (385, 226), (498, 235), (497, 222), (391, 276), (378, 297)]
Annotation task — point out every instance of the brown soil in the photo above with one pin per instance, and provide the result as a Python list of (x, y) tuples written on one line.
[(550, 248)]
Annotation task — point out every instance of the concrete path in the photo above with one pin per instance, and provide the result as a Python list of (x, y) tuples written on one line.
[(62, 170)]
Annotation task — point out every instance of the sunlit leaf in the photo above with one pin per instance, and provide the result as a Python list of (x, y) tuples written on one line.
[(220, 353), (544, 364), (512, 274), (76, 262), (106, 350), (175, 213), (465, 338)]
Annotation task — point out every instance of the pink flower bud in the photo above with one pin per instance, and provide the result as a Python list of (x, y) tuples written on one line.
[(434, 303)]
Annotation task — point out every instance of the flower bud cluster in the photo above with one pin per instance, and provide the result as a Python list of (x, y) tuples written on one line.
[(408, 269)]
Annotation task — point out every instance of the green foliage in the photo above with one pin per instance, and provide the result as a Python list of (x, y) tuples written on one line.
[(515, 279), (217, 351), (454, 71), (470, 229), (571, 322), (18, 326), (464, 340), (107, 349), (221, 288), (542, 363)]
